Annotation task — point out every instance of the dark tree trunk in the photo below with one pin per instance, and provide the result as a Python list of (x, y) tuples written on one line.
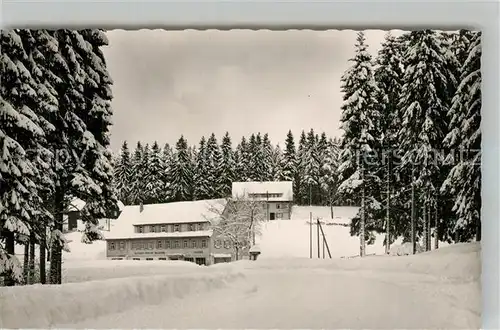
[(43, 242), (26, 271), (31, 266), (56, 247), (10, 249)]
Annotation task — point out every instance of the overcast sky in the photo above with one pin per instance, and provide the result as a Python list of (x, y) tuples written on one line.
[(168, 83)]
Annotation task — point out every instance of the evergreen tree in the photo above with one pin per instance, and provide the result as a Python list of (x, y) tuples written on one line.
[(464, 137), (276, 160), (214, 166), (267, 159), (182, 173), (123, 175), (300, 197), (228, 166), (426, 88), (201, 183), (242, 161), (328, 172), (167, 159), (359, 122), (289, 160), (154, 175), (311, 169), (19, 132), (389, 75), (136, 193)]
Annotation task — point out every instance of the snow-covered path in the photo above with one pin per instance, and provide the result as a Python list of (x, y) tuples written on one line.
[(309, 298)]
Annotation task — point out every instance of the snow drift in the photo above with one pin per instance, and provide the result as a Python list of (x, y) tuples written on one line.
[(45, 306)]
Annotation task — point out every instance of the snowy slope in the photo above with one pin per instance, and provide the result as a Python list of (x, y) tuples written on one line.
[(377, 292), (284, 239)]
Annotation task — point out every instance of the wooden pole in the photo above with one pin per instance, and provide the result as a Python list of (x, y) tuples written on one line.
[(317, 220), (325, 242), (310, 236)]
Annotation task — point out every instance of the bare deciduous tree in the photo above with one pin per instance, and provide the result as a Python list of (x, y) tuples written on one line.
[(239, 221)]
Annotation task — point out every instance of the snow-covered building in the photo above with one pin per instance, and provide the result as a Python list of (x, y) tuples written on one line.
[(276, 196), (169, 231)]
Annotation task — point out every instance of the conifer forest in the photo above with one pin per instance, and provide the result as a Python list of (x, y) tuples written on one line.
[(409, 154)]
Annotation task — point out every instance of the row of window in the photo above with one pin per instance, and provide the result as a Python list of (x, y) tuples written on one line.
[(160, 244), (173, 228), (176, 244)]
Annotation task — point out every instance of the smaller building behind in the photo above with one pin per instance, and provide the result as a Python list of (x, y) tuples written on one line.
[(276, 196)]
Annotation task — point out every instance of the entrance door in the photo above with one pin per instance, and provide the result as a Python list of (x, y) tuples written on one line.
[(201, 261), (272, 216)]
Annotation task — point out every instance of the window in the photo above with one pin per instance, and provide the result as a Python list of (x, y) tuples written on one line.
[(191, 227), (193, 244), (159, 244), (278, 206), (152, 229), (151, 245), (132, 245), (122, 245), (200, 226), (227, 244), (177, 244), (279, 215), (204, 243), (185, 244), (139, 229), (163, 229), (167, 244), (176, 228), (162, 258), (112, 245), (217, 244)]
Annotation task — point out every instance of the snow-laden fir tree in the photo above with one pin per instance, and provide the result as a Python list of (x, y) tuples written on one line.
[(276, 161), (123, 174), (288, 160), (242, 161), (154, 175), (136, 193), (361, 137), (181, 176), (142, 172), (389, 76), (227, 166), (19, 131), (328, 172), (464, 139), (213, 161), (267, 159), (424, 104), (167, 159), (311, 169), (201, 184), (300, 197)]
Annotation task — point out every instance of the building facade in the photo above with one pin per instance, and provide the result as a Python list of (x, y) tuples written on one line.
[(171, 231), (276, 197)]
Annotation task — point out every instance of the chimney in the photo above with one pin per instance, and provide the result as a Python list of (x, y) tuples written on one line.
[(141, 207)]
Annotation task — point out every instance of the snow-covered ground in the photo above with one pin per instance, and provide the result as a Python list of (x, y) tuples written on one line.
[(438, 289), (291, 238)]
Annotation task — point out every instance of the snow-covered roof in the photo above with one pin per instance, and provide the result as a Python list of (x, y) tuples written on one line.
[(167, 213), (254, 249), (284, 188), (76, 204)]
